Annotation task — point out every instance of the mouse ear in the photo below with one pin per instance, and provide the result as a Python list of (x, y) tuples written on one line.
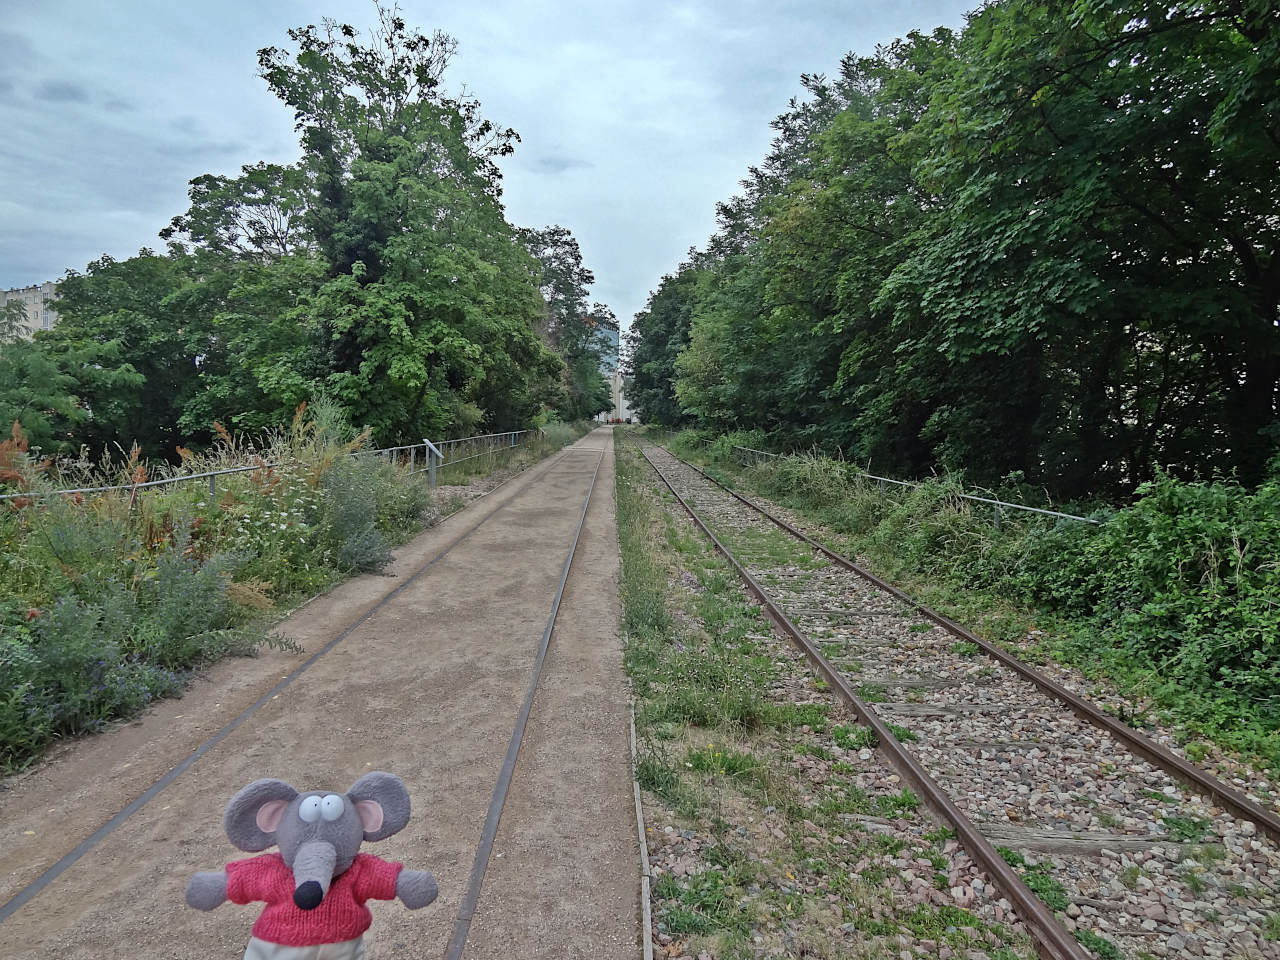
[(382, 801), (254, 814)]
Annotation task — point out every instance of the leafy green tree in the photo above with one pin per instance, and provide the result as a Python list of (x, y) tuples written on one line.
[(574, 329), (429, 303), (258, 215), (132, 314), (657, 335), (40, 389), (1046, 245)]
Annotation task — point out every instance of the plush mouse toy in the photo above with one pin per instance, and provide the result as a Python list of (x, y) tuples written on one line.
[(315, 888)]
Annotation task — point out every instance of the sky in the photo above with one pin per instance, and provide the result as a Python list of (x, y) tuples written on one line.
[(636, 118)]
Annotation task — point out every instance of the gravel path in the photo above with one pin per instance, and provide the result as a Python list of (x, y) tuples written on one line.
[(1136, 858)]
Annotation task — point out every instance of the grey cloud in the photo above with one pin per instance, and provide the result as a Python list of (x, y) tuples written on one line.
[(62, 91), (15, 49), (558, 164), (6, 86), (118, 105)]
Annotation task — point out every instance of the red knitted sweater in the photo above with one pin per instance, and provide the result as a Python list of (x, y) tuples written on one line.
[(340, 916)]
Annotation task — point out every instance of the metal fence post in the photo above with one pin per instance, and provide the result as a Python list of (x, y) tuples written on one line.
[(434, 456), (996, 516), (413, 458), (212, 486)]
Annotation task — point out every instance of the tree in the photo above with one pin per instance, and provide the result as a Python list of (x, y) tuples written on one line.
[(40, 389), (576, 331)]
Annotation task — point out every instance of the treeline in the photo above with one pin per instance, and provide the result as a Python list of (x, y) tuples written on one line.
[(1047, 244), (379, 272)]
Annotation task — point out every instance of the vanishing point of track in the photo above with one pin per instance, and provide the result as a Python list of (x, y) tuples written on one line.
[(1009, 757)]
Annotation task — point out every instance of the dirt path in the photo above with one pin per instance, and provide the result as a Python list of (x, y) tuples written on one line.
[(427, 687), (564, 875)]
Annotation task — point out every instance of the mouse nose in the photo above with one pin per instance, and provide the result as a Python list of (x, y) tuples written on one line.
[(309, 895)]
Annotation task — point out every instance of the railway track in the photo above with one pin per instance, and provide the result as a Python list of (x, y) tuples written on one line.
[(1133, 851), (569, 477)]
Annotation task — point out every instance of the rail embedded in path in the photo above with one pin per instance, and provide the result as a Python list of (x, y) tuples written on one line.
[(1054, 941), (432, 456), (1232, 800), (471, 898)]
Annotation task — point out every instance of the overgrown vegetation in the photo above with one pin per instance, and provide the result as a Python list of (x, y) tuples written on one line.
[(1175, 597), (108, 601), (1043, 243)]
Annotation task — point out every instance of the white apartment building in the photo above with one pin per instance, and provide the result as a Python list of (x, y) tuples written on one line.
[(37, 299), (620, 410)]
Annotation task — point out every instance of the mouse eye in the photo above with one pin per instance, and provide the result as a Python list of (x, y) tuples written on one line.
[(310, 809), (331, 807)]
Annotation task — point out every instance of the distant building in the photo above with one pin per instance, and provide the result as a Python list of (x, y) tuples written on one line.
[(608, 340), (36, 299), (619, 410)]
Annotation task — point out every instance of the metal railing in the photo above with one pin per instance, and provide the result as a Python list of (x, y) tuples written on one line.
[(996, 505), (432, 456)]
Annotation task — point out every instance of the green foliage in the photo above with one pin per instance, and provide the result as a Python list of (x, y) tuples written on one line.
[(1038, 879), (1183, 583), (107, 601), (1045, 244), (1102, 948)]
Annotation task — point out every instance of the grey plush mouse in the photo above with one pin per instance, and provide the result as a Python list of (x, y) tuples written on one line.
[(315, 888)]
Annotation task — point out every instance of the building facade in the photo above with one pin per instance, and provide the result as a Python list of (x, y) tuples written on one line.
[(619, 410), (36, 299)]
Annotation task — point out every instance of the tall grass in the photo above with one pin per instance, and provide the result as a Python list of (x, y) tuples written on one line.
[(107, 601)]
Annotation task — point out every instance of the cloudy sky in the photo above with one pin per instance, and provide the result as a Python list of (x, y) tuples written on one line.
[(636, 117)]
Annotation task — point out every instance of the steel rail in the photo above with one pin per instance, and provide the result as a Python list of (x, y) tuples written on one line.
[(52, 873), (466, 910), (1053, 940), (1232, 800)]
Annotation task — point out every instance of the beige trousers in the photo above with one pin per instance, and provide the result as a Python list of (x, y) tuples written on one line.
[(346, 950)]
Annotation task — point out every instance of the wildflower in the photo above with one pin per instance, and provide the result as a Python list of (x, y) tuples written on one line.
[(32, 613)]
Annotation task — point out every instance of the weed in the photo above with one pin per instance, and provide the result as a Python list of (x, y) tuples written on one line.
[(965, 648), (873, 692), (1037, 879), (723, 763), (1271, 929), (1186, 829), (853, 738), (1103, 948), (1195, 883), (897, 804), (902, 733), (782, 715)]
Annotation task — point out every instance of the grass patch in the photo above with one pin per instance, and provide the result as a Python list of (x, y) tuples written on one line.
[(1103, 948), (1038, 879), (853, 738), (1186, 829)]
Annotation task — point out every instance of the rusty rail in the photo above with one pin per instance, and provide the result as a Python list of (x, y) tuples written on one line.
[(1053, 940)]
